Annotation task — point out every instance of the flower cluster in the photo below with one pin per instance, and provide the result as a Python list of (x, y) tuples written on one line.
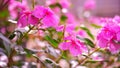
[(74, 45), (109, 37), (41, 15)]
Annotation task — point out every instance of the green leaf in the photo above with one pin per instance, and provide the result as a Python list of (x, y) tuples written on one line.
[(96, 26), (89, 42), (91, 61), (48, 61), (4, 13), (53, 42), (63, 18), (12, 36), (55, 5), (64, 54), (29, 52), (86, 41), (88, 32)]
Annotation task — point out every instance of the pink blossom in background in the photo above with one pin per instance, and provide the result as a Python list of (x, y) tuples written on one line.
[(3, 30), (72, 21), (71, 24), (90, 5), (15, 7), (49, 19), (96, 20), (117, 18), (49, 2), (60, 28), (64, 3), (109, 37)]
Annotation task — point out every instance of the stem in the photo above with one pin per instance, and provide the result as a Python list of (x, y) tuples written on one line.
[(83, 61), (21, 38), (10, 59), (62, 40), (59, 57), (33, 4), (21, 1), (27, 32), (31, 28), (64, 32)]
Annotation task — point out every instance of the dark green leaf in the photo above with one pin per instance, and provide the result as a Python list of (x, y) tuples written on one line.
[(64, 54), (55, 5), (91, 61), (53, 42), (29, 52), (48, 61), (86, 41), (63, 18), (12, 36), (4, 13), (89, 42), (88, 32)]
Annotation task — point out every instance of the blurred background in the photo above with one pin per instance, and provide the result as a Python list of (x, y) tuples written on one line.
[(104, 8)]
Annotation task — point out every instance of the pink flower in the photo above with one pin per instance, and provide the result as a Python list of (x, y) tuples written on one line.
[(26, 19), (49, 2), (64, 3), (109, 37), (15, 7), (69, 28), (75, 46), (89, 5), (71, 24), (3, 30), (49, 19), (117, 18)]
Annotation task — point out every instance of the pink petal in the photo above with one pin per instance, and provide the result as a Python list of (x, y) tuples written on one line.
[(64, 45), (33, 20), (22, 21)]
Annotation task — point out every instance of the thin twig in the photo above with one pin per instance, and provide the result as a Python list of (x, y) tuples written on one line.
[(88, 55)]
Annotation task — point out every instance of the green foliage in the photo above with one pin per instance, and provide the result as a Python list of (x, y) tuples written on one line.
[(64, 55), (4, 13), (91, 61), (29, 53), (96, 26), (48, 61), (12, 36), (87, 41), (63, 18), (55, 5), (53, 42), (88, 32)]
